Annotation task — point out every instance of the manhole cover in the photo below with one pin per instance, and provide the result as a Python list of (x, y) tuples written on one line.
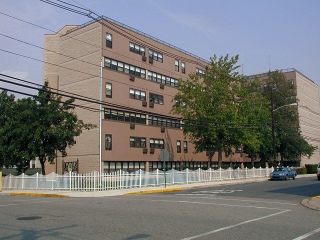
[(29, 218)]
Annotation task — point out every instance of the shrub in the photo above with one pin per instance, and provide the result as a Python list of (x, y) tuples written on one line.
[(311, 168), (302, 171)]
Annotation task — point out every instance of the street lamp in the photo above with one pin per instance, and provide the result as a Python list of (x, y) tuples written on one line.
[(273, 131)]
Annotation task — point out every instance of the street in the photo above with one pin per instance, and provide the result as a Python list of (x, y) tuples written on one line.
[(264, 210)]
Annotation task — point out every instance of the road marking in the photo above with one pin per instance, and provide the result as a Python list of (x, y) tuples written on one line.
[(238, 200), (235, 225), (307, 234), (217, 191)]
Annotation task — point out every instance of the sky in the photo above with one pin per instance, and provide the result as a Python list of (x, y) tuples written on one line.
[(266, 34)]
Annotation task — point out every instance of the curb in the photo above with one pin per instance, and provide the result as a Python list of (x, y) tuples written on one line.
[(52, 195), (308, 203), (154, 191)]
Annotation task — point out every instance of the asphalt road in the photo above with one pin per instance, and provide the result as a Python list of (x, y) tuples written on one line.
[(264, 210)]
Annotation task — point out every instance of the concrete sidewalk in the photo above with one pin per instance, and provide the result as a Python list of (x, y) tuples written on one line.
[(313, 203)]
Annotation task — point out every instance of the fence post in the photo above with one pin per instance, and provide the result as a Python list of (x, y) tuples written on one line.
[(246, 172), (220, 173), (254, 174), (230, 175), (37, 174), (199, 180), (22, 182), (187, 175), (120, 179), (70, 181), (172, 176), (238, 173), (210, 176), (140, 180), (157, 177), (260, 171)]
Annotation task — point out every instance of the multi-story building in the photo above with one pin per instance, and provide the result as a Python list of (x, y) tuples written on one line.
[(308, 109), (137, 77)]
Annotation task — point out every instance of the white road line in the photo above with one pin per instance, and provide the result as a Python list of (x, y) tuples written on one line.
[(307, 234), (233, 199), (235, 225)]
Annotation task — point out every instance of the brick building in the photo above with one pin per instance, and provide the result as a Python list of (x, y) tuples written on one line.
[(139, 76), (135, 76)]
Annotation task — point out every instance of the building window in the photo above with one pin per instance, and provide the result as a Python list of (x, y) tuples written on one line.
[(185, 146), (156, 77), (109, 40), (156, 143), (176, 64), (166, 122), (108, 142), (124, 116), (156, 98), (137, 49), (123, 67), (200, 72), (137, 94), (183, 67), (137, 142), (155, 56), (178, 146), (109, 90)]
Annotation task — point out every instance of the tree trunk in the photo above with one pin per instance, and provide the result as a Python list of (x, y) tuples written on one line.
[(219, 158), (43, 171)]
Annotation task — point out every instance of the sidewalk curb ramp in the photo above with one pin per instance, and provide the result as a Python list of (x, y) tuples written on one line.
[(312, 203), (154, 191)]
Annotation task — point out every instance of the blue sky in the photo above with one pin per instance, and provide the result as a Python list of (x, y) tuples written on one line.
[(278, 34)]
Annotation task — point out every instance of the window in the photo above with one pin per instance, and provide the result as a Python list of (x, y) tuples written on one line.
[(108, 142), (155, 56), (158, 99), (124, 116), (183, 67), (123, 67), (176, 64), (109, 90), (200, 72), (109, 40), (185, 146), (156, 77), (137, 142), (166, 122), (137, 94), (178, 146), (137, 49), (156, 143)]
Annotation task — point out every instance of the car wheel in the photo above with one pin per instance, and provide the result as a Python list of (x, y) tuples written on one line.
[(286, 177), (319, 178), (294, 177)]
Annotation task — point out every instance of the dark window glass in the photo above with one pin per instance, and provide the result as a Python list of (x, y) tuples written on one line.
[(109, 40), (108, 139), (178, 146)]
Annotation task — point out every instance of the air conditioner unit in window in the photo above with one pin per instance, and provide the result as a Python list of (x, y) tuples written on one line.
[(152, 150), (150, 60), (132, 126), (161, 85), (144, 58), (145, 150), (144, 103), (151, 104), (162, 129), (131, 78)]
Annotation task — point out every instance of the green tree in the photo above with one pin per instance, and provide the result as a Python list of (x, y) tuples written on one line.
[(56, 126), (214, 108), (289, 142)]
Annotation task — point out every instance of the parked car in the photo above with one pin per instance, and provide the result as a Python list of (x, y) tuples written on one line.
[(318, 172), (283, 173)]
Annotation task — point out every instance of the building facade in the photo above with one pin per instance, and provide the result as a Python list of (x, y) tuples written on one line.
[(308, 99), (135, 76)]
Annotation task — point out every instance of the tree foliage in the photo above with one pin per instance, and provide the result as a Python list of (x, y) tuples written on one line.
[(216, 109), (39, 127)]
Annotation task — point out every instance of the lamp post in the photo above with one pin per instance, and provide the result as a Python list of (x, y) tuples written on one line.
[(273, 130)]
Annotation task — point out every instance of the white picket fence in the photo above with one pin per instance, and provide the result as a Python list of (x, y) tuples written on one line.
[(121, 179)]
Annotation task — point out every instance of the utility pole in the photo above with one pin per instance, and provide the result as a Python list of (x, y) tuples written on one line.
[(273, 131)]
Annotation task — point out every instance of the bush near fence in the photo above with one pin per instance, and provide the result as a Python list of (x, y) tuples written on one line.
[(311, 168)]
